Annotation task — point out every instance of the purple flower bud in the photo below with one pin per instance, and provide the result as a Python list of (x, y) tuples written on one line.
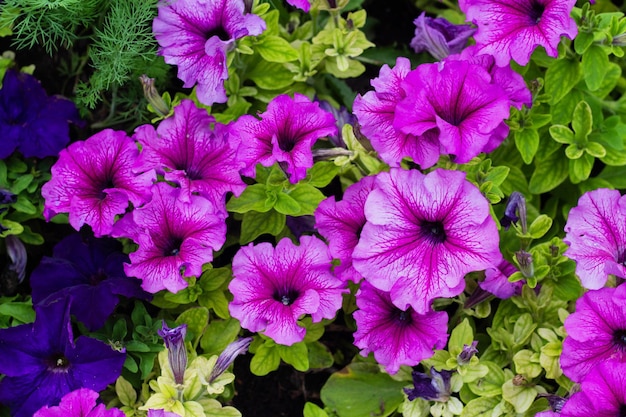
[(236, 348), (439, 37), (515, 211), (152, 95), (467, 353), (435, 387), (18, 256), (176, 353)]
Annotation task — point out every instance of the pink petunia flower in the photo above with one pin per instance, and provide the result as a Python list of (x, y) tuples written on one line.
[(341, 222), (274, 287), (285, 134), (376, 111), (79, 403), (175, 238), (197, 34), (596, 234), (423, 234), (396, 336), (188, 152), (512, 29), (596, 332), (93, 181), (457, 102)]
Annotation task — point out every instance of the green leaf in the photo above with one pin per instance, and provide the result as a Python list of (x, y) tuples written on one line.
[(580, 169), (313, 410), (308, 197), (218, 334), (540, 226), (562, 134), (255, 224), (561, 77), (361, 390), (285, 204), (265, 360), (276, 49), (549, 173), (582, 121), (462, 335), (296, 355), (253, 198), (595, 64), (527, 143), (196, 318), (125, 392)]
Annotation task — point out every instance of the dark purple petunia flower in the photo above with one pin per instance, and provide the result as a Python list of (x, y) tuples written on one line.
[(91, 272), (30, 121), (42, 361), (439, 37)]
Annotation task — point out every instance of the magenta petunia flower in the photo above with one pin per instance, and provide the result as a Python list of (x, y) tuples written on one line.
[(341, 222), (300, 4), (596, 332), (376, 111), (423, 234), (285, 134), (457, 101), (274, 287), (175, 238), (188, 152), (396, 336), (602, 394), (79, 403), (512, 29), (93, 181), (497, 280), (197, 34), (596, 234)]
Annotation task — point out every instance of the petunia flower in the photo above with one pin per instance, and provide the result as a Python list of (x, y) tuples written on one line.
[(376, 111), (89, 271), (196, 35), (274, 287), (458, 103), (42, 362), (602, 393), (188, 152), (175, 238), (30, 121), (285, 134), (596, 234), (341, 222), (512, 29), (596, 332), (79, 403), (423, 234), (93, 182), (396, 336), (439, 37)]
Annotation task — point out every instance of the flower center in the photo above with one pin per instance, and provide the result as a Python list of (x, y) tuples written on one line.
[(536, 11), (173, 246), (58, 363), (619, 338), (287, 296), (433, 231), (219, 31)]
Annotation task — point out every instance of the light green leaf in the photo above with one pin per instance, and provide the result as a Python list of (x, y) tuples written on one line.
[(255, 224)]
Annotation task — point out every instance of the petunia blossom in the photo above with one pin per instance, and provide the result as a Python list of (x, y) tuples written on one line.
[(457, 102), (196, 35), (175, 238), (439, 37), (596, 332), (274, 287), (93, 182), (376, 110), (423, 234), (285, 134), (79, 403), (188, 152), (42, 362), (341, 222), (512, 29), (596, 234), (396, 336)]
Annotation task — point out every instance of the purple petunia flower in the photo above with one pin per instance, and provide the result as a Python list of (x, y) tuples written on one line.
[(175, 238), (285, 134), (602, 394), (376, 111), (457, 102), (90, 272), (42, 362), (423, 234), (188, 152), (79, 403), (341, 222), (497, 280), (596, 234), (596, 332), (274, 287), (93, 182), (439, 37), (30, 121), (396, 336), (512, 29), (197, 34)]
